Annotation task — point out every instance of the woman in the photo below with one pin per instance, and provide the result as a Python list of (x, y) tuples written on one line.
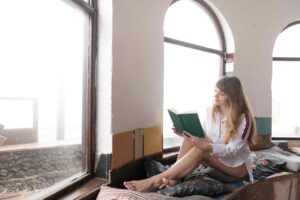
[(229, 128)]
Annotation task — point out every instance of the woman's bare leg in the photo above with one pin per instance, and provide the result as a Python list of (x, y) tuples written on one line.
[(236, 172), (182, 167), (184, 148)]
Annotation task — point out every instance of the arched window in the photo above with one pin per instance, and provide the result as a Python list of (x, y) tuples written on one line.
[(47, 58), (194, 52), (285, 83)]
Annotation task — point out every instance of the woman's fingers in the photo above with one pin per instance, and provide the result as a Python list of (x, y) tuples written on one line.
[(176, 132), (187, 134), (195, 141)]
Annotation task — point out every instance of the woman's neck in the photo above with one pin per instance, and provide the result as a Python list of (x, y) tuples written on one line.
[(223, 112)]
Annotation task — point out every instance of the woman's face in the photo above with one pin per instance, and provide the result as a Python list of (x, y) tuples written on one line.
[(220, 98)]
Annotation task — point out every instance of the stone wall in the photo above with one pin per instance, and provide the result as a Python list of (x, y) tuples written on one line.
[(35, 169)]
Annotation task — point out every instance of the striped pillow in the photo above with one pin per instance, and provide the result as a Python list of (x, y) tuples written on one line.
[(109, 193)]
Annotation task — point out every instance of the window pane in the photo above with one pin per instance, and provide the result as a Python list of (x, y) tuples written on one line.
[(17, 113), (190, 77), (285, 99), (288, 43), (190, 22), (42, 63)]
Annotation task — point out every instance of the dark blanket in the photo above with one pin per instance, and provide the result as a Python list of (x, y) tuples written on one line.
[(200, 182)]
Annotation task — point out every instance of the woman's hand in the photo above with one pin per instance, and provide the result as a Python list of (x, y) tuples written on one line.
[(200, 143), (176, 132)]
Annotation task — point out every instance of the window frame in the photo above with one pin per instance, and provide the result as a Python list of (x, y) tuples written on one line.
[(89, 107), (222, 53), (289, 59)]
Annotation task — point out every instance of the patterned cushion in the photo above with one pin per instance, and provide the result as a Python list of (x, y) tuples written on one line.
[(198, 185), (264, 167), (153, 167), (109, 193)]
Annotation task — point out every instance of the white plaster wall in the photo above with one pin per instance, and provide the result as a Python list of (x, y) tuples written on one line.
[(137, 80), (137, 55), (255, 25)]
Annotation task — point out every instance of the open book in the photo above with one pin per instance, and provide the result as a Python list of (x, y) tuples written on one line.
[(188, 122)]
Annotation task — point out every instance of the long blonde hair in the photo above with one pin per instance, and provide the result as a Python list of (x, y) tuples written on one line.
[(238, 105)]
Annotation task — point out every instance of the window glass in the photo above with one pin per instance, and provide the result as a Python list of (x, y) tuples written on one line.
[(285, 99), (189, 74), (285, 82), (190, 77), (190, 22), (288, 43), (17, 113), (43, 63)]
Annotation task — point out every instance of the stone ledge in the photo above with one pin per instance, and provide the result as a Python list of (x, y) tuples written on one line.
[(34, 169)]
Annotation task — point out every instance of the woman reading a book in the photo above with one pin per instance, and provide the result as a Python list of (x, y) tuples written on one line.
[(229, 128)]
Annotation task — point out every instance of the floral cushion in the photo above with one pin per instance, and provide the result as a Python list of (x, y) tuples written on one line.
[(196, 186)]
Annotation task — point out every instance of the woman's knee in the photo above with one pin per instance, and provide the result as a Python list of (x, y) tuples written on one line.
[(197, 154)]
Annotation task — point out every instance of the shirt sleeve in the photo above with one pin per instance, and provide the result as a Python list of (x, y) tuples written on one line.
[(236, 143)]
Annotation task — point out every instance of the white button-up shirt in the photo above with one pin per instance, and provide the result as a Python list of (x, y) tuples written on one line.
[(236, 152)]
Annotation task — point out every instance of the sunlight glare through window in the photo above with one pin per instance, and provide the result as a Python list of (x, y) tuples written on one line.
[(39, 48), (288, 43), (189, 74), (188, 21), (285, 84)]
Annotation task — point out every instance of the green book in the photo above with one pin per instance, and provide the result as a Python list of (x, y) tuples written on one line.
[(188, 122)]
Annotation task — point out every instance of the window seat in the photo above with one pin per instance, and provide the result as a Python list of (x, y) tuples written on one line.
[(265, 183), (86, 191), (284, 184)]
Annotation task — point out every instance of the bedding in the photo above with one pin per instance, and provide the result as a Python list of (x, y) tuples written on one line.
[(213, 183), (292, 159), (199, 185), (109, 193), (264, 167)]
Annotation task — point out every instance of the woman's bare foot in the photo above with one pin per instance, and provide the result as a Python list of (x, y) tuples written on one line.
[(166, 182), (149, 184), (145, 185)]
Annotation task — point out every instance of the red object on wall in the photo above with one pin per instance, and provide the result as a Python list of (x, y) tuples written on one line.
[(230, 57)]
